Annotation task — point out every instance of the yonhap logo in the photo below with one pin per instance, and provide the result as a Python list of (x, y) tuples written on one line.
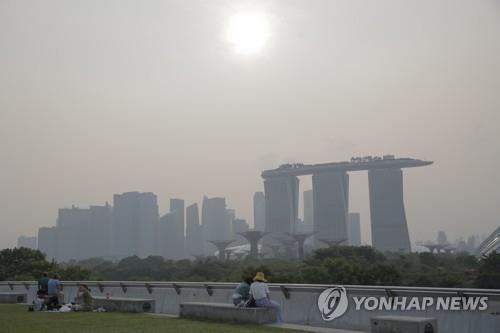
[(332, 303)]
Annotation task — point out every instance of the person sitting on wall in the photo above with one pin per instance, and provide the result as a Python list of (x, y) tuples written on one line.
[(83, 298), (242, 293), (259, 291), (54, 292)]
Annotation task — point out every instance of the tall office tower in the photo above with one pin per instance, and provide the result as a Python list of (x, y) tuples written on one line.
[(178, 243), (442, 239), (135, 223), (282, 199), (167, 242), (259, 211), (388, 218), (100, 231), (239, 225), (354, 228), (214, 220), (194, 234), (47, 241), (331, 205), (73, 237), (177, 206), (27, 242)]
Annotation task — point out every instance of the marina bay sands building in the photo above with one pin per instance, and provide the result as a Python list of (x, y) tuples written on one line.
[(387, 211), (331, 207), (331, 200)]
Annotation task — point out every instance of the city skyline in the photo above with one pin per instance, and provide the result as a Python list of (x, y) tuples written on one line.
[(179, 235), (91, 104)]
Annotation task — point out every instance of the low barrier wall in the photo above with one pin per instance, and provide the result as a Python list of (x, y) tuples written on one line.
[(299, 301)]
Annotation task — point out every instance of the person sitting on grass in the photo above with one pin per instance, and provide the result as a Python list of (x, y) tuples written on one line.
[(242, 293), (83, 298), (259, 291)]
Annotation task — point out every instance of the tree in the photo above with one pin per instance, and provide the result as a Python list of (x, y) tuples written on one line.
[(22, 264)]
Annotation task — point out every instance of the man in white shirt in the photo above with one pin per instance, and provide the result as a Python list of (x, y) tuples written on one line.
[(260, 293)]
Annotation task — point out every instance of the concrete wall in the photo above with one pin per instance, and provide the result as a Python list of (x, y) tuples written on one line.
[(301, 306)]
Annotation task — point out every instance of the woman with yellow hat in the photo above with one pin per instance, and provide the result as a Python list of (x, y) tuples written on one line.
[(260, 293)]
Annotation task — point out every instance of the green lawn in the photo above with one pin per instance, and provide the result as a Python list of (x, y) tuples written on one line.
[(16, 319)]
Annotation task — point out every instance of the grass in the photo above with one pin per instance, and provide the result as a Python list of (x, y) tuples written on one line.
[(15, 318)]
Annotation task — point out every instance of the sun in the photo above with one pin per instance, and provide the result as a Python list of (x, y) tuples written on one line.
[(248, 32)]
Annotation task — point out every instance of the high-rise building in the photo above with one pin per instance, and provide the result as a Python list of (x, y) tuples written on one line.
[(73, 234), (194, 234), (331, 204), (282, 199), (177, 206), (387, 211), (214, 221), (80, 233), (331, 200), (259, 211), (171, 240), (239, 225), (354, 227), (442, 239), (47, 241), (166, 236), (27, 242), (135, 223), (100, 231)]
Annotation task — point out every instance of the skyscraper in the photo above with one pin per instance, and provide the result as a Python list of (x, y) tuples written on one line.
[(388, 218), (282, 199), (166, 236), (214, 222), (135, 223), (354, 227), (331, 204), (47, 241), (100, 231), (259, 211), (73, 234), (171, 241), (194, 234), (442, 239)]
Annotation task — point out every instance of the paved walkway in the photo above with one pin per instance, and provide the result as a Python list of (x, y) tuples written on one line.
[(305, 328), (308, 328)]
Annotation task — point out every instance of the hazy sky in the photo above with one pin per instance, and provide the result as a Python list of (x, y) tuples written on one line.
[(103, 97)]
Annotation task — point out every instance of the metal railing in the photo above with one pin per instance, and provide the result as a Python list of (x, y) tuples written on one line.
[(285, 288)]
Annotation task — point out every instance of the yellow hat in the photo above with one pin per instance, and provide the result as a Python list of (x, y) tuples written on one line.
[(259, 277)]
